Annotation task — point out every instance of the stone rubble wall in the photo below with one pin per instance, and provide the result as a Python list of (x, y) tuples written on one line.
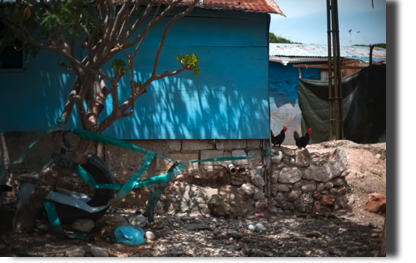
[(302, 181)]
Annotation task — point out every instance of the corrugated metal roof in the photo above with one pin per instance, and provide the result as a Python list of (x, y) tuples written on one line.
[(252, 6), (301, 50)]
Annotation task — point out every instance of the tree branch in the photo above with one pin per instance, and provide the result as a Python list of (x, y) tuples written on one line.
[(176, 17)]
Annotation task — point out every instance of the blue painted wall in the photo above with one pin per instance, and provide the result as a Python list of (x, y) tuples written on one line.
[(227, 100), (284, 106)]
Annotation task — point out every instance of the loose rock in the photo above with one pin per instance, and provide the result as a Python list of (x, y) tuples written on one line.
[(376, 203), (83, 225), (372, 225), (42, 226), (302, 157), (304, 203), (149, 235), (257, 180), (137, 220), (329, 185), (297, 185), (262, 204), (248, 189), (75, 252), (290, 175), (98, 252), (309, 187), (275, 176), (338, 182), (320, 187), (316, 196), (293, 195), (280, 188), (219, 207), (259, 194), (314, 234), (234, 234), (328, 200)]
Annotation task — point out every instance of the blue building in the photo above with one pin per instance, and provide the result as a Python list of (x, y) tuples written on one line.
[(229, 99)]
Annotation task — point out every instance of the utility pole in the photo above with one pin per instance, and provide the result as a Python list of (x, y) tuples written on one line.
[(336, 123)]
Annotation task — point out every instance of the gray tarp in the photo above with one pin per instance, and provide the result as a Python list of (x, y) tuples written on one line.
[(364, 106)]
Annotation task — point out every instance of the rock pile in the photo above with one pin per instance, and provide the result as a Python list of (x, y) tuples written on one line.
[(301, 181)]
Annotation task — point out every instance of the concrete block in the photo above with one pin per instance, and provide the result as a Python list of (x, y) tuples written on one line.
[(159, 146), (208, 154), (163, 165), (237, 153), (256, 159), (174, 145), (231, 144), (120, 159), (253, 144), (195, 145)]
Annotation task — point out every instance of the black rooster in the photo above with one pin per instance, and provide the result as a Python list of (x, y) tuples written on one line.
[(279, 139), (301, 142)]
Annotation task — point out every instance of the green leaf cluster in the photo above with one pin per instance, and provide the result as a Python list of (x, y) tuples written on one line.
[(119, 67), (277, 39), (31, 18), (189, 60)]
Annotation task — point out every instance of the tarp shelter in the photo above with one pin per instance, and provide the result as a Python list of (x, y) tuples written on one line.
[(364, 106)]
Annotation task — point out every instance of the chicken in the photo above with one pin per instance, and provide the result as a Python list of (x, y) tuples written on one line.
[(301, 142), (279, 138)]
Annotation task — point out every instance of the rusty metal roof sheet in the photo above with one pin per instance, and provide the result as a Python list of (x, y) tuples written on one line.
[(301, 50), (257, 6), (251, 6)]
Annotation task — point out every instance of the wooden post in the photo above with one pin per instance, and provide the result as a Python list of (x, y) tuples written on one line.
[(371, 54), (268, 168)]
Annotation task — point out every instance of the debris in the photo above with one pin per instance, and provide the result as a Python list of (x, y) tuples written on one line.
[(129, 235), (259, 215), (83, 225), (314, 234), (75, 252), (335, 251), (137, 220), (149, 235), (197, 227), (234, 234), (376, 203), (372, 225), (98, 252), (259, 228), (42, 226)]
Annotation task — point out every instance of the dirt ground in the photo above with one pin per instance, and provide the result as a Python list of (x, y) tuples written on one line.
[(339, 234)]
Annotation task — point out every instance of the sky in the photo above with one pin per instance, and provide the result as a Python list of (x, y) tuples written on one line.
[(306, 21)]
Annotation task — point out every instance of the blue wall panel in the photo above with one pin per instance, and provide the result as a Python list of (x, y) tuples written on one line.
[(284, 106), (228, 99)]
